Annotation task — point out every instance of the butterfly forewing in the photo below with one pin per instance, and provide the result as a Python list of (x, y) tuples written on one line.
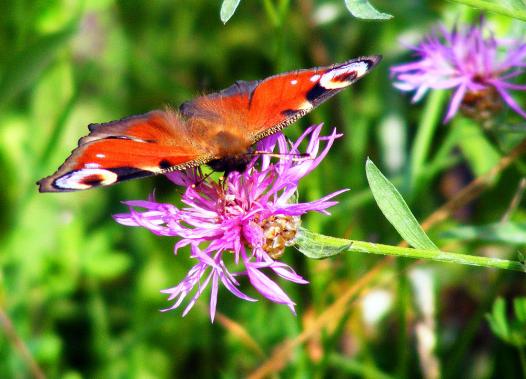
[(253, 110), (280, 100)]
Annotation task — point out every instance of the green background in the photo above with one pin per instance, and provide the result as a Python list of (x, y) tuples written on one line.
[(82, 292)]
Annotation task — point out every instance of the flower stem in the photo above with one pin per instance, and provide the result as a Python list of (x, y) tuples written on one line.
[(440, 256), (272, 12), (424, 137), (434, 255)]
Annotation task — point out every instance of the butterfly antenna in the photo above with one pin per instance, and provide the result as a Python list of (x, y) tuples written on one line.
[(295, 157), (198, 183)]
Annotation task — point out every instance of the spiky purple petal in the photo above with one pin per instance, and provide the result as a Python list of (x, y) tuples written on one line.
[(221, 222)]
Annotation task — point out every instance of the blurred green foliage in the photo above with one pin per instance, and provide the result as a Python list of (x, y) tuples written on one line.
[(83, 292), (511, 331)]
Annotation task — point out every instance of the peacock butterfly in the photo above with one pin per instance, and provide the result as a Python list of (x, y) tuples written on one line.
[(216, 129)]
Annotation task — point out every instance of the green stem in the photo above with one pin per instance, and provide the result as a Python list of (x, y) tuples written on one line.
[(272, 13), (495, 6), (331, 246), (353, 366), (440, 256), (431, 116), (403, 299), (522, 356)]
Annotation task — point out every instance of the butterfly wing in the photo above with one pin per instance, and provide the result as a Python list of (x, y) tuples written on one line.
[(133, 147), (216, 126), (259, 108)]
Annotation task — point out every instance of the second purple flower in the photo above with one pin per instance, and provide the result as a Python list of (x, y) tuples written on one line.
[(480, 68)]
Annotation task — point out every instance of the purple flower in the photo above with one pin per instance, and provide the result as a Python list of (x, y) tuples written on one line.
[(239, 226), (479, 69)]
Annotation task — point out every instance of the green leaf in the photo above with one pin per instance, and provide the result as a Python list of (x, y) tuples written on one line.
[(502, 232), (423, 143), (27, 65), (475, 146), (519, 306), (510, 331), (395, 209), (356, 368), (363, 9), (106, 265), (511, 8), (317, 246), (100, 261), (497, 319), (227, 9)]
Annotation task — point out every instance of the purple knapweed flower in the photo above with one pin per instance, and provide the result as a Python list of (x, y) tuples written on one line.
[(239, 226), (477, 66)]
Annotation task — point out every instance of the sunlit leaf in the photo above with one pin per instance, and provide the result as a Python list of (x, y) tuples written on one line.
[(228, 9), (364, 9), (502, 232), (314, 245), (478, 150), (512, 331), (395, 209), (511, 8), (106, 265), (519, 307), (497, 319), (101, 261)]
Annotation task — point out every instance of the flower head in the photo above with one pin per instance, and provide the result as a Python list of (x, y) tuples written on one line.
[(239, 226), (478, 67)]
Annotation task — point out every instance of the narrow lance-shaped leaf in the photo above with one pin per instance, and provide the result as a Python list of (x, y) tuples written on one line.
[(363, 9), (228, 9), (395, 209)]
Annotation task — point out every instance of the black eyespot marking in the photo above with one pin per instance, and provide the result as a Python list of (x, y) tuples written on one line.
[(92, 180), (125, 173), (164, 164), (370, 62), (345, 77), (316, 94)]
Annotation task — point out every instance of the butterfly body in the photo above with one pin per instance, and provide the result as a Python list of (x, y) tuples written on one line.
[(216, 129)]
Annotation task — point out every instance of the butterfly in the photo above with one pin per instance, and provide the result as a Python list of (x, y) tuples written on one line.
[(217, 129)]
